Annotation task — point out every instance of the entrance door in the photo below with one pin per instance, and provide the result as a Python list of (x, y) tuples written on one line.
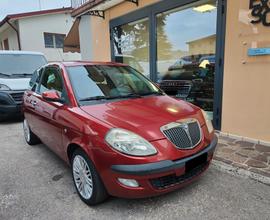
[(174, 44), (186, 45)]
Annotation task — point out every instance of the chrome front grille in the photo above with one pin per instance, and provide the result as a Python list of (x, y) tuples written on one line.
[(184, 91), (184, 134), (17, 96)]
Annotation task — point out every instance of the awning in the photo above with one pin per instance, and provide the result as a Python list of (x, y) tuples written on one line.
[(72, 40)]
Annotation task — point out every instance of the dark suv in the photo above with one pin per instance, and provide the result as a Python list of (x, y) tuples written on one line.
[(192, 81)]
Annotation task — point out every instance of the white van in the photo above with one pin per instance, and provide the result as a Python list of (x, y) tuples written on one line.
[(16, 69)]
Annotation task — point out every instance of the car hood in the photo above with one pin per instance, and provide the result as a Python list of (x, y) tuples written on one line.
[(16, 83), (143, 116)]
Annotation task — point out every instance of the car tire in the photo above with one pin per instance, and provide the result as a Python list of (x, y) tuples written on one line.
[(29, 136), (86, 179)]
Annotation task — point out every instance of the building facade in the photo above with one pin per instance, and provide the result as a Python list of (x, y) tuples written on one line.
[(213, 53), (41, 31)]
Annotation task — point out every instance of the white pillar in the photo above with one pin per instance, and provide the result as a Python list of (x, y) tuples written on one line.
[(86, 38)]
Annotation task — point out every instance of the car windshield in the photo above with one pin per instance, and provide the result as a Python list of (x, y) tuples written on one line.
[(20, 65), (96, 82)]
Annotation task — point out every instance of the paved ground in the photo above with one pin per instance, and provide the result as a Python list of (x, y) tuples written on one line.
[(35, 184), (245, 155)]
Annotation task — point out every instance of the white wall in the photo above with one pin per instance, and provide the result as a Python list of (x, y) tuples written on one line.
[(32, 35), (11, 35), (86, 38)]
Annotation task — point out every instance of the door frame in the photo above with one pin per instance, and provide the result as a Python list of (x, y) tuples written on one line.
[(150, 12)]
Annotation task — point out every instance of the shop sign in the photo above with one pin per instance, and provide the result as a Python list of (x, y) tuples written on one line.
[(260, 10), (258, 51)]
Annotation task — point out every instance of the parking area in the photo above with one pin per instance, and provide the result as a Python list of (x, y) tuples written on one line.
[(35, 184)]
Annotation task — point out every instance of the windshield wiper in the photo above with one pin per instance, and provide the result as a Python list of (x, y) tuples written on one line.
[(4, 74), (152, 93), (131, 95), (95, 98), (22, 74)]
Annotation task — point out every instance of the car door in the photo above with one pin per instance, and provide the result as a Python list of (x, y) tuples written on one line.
[(30, 99), (47, 117)]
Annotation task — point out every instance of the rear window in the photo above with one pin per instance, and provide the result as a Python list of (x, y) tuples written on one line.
[(17, 64)]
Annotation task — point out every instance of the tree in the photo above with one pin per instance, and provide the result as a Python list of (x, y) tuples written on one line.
[(133, 39), (164, 46)]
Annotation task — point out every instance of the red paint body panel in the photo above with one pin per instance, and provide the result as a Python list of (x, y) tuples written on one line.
[(59, 126), (144, 116)]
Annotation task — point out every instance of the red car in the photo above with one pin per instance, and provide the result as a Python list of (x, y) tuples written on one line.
[(119, 132)]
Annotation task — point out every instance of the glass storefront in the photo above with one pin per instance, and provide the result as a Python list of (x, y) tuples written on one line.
[(131, 45), (184, 57), (186, 45)]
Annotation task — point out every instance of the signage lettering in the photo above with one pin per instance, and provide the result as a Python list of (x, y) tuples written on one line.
[(260, 10)]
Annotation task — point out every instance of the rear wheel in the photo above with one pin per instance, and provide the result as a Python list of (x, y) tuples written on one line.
[(29, 136), (86, 179)]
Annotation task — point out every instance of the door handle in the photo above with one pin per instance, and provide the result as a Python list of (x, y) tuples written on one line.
[(34, 103)]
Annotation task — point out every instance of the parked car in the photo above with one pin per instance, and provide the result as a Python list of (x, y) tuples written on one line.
[(16, 69), (211, 59), (121, 134), (193, 82), (179, 64)]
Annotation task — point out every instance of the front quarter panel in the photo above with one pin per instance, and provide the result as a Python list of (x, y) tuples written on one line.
[(84, 131)]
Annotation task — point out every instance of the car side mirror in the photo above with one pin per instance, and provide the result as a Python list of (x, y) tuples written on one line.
[(52, 96)]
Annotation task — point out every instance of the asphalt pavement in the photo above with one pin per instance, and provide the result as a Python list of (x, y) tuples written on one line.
[(36, 184)]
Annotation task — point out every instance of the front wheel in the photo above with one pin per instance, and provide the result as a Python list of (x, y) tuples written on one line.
[(86, 179), (29, 136)]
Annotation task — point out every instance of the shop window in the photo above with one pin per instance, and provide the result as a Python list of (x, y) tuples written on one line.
[(54, 40), (186, 39), (131, 45)]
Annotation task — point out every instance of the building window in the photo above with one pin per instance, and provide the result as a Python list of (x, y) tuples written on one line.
[(186, 39), (6, 44), (131, 45), (54, 40), (181, 47)]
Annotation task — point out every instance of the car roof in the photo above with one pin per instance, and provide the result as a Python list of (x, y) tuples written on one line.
[(19, 52), (91, 63)]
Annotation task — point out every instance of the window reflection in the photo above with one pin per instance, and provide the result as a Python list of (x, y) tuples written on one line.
[(131, 45), (186, 40)]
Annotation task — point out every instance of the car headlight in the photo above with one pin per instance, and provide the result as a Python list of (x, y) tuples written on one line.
[(208, 122), (129, 143), (4, 87)]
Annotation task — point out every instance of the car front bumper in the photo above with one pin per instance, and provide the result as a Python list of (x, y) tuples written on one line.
[(10, 104), (159, 177)]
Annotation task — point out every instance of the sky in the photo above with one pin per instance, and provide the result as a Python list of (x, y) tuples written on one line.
[(181, 28), (20, 6)]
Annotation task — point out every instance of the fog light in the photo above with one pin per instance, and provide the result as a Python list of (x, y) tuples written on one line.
[(128, 182)]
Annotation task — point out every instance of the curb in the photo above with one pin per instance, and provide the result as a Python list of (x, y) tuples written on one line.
[(236, 171)]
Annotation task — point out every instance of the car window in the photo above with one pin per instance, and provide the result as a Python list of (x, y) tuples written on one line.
[(20, 65), (108, 81), (51, 80), (33, 84)]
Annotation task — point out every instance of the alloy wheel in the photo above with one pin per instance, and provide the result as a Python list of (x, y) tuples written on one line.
[(82, 177), (26, 130)]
